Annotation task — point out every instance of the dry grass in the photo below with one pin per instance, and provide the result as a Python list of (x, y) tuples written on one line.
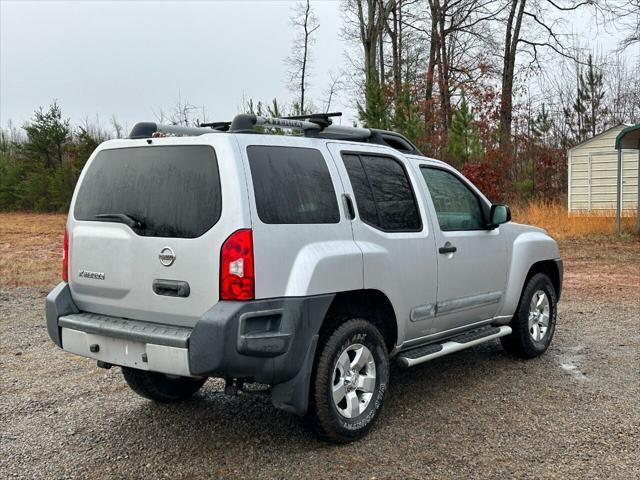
[(555, 218), (30, 249)]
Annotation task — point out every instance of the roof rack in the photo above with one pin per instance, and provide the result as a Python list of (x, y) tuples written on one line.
[(315, 125), (152, 129)]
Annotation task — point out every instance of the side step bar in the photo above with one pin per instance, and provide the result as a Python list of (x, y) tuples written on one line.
[(425, 353)]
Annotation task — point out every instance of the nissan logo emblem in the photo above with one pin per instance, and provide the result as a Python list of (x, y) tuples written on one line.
[(167, 256)]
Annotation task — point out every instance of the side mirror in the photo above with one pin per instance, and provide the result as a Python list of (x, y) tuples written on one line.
[(500, 214)]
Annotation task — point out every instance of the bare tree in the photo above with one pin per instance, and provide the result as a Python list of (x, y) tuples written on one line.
[(300, 59), (117, 127), (625, 16), (183, 113), (336, 83), (365, 22), (531, 27), (623, 89)]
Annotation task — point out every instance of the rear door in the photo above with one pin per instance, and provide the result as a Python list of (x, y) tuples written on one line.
[(392, 230), (174, 190), (472, 259), (302, 236)]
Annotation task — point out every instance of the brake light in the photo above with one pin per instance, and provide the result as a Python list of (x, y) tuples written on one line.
[(65, 257), (236, 267)]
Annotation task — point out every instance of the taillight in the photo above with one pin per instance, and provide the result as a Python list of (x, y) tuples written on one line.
[(65, 257), (236, 267)]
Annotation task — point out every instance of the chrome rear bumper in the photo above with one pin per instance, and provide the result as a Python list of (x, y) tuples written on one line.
[(127, 353)]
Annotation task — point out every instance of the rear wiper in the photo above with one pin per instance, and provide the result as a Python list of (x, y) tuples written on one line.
[(123, 218)]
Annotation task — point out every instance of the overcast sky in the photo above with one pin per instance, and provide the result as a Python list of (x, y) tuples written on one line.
[(131, 58), (128, 59)]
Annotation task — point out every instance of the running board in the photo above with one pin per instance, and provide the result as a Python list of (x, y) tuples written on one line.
[(455, 344)]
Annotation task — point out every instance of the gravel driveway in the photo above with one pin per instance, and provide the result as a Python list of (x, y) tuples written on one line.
[(573, 413)]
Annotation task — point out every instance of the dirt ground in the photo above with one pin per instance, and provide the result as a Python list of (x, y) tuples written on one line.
[(572, 413)]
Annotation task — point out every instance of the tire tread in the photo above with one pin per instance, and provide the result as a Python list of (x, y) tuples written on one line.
[(320, 411)]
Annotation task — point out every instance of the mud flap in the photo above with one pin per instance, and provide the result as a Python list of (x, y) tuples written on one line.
[(293, 395)]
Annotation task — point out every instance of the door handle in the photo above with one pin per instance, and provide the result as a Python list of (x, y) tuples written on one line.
[(348, 203), (447, 248), (171, 288)]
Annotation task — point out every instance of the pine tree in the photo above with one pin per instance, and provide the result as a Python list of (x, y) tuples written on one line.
[(542, 127), (463, 141), (592, 88), (375, 112), (407, 115), (47, 134), (588, 114)]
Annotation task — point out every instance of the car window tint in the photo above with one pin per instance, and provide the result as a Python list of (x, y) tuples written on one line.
[(383, 192), (392, 193), (173, 190), (361, 189), (456, 205), (292, 185)]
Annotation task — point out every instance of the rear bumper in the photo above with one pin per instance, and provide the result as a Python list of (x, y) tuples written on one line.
[(268, 341), (127, 353)]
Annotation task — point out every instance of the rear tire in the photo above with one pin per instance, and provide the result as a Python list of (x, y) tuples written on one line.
[(160, 387), (534, 323), (349, 381)]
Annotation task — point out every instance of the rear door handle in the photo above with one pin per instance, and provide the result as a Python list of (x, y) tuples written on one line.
[(447, 248), (348, 203), (171, 288)]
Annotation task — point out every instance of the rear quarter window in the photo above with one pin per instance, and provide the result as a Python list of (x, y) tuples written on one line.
[(292, 185), (173, 190)]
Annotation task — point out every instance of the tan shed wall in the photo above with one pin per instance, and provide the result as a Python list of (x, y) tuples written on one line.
[(593, 174)]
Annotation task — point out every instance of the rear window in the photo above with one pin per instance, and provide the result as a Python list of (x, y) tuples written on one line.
[(292, 185), (173, 190)]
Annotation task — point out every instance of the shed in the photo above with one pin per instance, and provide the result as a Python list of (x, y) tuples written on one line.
[(593, 174)]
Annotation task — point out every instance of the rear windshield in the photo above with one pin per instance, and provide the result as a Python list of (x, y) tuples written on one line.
[(174, 191)]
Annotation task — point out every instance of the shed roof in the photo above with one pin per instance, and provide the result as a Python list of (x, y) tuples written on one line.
[(629, 137), (604, 132)]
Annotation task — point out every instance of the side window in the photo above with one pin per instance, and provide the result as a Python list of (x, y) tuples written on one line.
[(456, 205), (292, 185), (361, 189), (383, 192)]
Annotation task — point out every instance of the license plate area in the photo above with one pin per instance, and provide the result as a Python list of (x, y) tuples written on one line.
[(143, 356)]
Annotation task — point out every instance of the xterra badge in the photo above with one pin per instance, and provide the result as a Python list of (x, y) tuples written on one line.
[(88, 274)]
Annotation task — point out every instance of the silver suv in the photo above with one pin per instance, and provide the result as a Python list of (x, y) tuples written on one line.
[(305, 262)]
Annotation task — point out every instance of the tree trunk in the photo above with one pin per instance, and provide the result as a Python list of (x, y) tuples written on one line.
[(304, 58), (445, 101), (434, 48), (395, 33), (512, 37)]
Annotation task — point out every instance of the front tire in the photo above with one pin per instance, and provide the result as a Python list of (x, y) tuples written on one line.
[(159, 387), (534, 323), (349, 381)]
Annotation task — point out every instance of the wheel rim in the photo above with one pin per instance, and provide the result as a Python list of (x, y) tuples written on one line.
[(539, 316), (354, 380)]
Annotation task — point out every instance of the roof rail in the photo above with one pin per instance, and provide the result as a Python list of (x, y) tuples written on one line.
[(152, 129), (315, 125)]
